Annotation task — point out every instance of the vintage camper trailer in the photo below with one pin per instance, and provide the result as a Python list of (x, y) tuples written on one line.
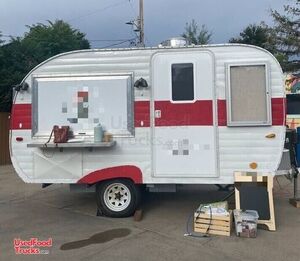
[(178, 115)]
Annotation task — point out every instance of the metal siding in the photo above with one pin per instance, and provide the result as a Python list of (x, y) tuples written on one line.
[(21, 156), (233, 141), (133, 151)]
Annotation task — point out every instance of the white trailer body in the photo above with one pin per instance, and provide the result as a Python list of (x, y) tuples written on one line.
[(206, 112)]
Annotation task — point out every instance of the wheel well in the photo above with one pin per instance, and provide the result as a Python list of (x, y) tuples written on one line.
[(105, 180), (130, 172)]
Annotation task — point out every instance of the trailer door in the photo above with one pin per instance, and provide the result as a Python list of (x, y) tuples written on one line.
[(184, 131)]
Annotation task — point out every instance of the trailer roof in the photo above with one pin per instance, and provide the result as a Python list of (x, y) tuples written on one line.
[(163, 47), (148, 49)]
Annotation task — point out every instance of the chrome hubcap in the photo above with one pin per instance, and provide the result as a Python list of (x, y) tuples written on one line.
[(117, 197)]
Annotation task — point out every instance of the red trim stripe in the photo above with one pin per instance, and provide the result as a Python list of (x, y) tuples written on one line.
[(198, 113), (21, 117), (278, 111), (142, 114), (222, 113)]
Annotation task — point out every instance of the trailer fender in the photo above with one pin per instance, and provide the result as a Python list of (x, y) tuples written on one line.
[(125, 171)]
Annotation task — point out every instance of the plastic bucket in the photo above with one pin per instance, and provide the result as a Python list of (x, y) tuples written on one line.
[(246, 223)]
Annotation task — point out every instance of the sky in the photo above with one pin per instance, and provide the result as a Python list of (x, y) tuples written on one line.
[(105, 19)]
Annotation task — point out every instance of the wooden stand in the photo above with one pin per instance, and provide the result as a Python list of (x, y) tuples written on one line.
[(267, 179)]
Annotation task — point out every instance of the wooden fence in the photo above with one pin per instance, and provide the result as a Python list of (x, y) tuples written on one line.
[(4, 138)]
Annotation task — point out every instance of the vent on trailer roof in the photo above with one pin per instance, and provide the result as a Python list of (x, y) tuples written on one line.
[(175, 42)]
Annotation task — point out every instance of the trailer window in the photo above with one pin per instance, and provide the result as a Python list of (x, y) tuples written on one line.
[(248, 103), (182, 82)]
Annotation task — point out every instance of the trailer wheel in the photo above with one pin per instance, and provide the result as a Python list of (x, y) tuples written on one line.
[(117, 198)]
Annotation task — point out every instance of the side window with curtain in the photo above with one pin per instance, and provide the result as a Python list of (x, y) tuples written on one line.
[(182, 82)]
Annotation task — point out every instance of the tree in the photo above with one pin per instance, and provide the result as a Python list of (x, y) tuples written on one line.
[(4, 92), (22, 54), (13, 66), (260, 35), (287, 29), (1, 41), (44, 41), (197, 35), (263, 36)]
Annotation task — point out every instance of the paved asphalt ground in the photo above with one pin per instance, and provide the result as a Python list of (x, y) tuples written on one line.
[(27, 211)]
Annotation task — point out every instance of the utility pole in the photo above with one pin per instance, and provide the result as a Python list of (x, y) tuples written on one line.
[(138, 24), (141, 23)]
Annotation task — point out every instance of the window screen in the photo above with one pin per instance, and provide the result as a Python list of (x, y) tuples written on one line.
[(182, 82), (249, 104)]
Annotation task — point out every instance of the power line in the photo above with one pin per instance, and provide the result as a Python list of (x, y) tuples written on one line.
[(120, 41), (109, 40), (102, 40), (132, 8), (108, 46), (98, 10)]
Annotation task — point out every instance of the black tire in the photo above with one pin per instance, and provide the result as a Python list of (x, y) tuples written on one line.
[(122, 191)]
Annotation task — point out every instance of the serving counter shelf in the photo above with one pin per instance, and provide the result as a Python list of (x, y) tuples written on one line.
[(82, 144)]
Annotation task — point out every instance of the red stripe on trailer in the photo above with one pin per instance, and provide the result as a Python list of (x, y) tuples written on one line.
[(21, 117), (21, 113), (278, 111), (198, 113), (222, 113), (126, 171), (142, 114)]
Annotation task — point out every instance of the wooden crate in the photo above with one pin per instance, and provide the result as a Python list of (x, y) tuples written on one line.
[(219, 225)]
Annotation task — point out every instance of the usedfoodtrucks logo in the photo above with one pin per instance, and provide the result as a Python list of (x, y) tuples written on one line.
[(33, 246)]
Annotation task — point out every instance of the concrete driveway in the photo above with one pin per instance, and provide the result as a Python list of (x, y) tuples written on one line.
[(28, 211)]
